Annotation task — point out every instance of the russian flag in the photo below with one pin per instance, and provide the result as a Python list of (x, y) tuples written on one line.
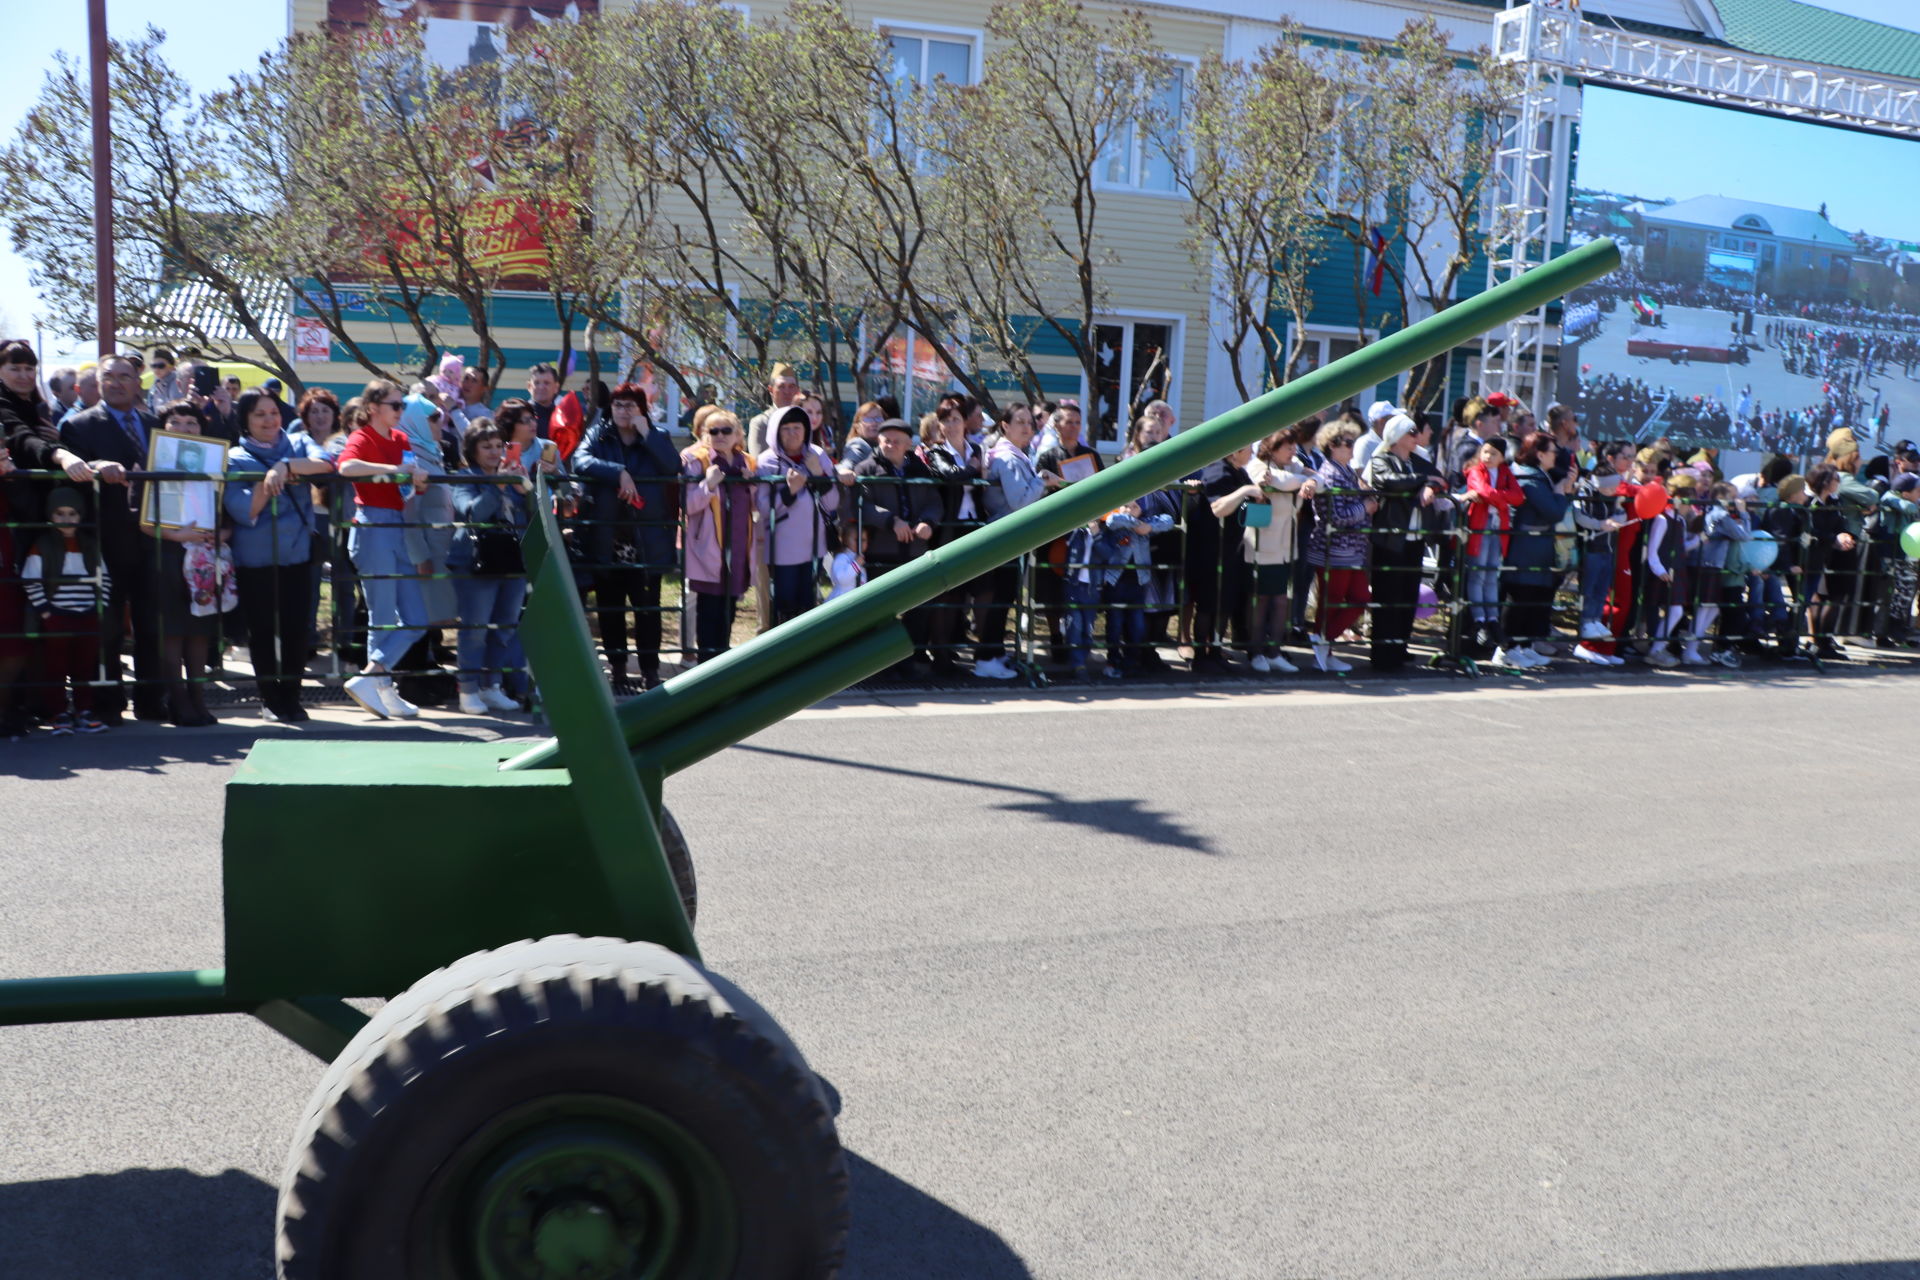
[(1377, 261)]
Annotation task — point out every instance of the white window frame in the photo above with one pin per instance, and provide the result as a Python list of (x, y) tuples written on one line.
[(671, 394), (975, 36), (1325, 335), (908, 410), (1127, 317), (1189, 68)]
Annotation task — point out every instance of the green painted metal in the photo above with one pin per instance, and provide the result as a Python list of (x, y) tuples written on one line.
[(117, 995), (354, 868), (741, 672), (610, 798), (780, 698), (321, 1026)]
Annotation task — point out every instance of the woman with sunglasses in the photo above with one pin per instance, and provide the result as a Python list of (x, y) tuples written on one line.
[(718, 539), (376, 455)]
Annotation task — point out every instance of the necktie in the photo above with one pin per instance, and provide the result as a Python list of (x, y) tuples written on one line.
[(130, 423)]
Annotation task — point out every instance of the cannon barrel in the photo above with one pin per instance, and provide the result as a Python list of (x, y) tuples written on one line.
[(734, 677)]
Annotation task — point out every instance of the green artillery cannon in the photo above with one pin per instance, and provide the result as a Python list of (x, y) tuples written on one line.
[(557, 1084)]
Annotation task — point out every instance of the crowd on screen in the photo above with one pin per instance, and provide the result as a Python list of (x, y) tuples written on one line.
[(409, 504)]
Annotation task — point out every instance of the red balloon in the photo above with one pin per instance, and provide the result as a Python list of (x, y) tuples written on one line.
[(1650, 501)]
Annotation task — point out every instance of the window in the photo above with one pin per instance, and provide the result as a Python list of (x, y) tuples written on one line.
[(1320, 347), (699, 343), (1135, 157), (909, 368), (922, 57), (1135, 361)]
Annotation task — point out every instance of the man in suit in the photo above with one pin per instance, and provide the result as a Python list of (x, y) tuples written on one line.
[(113, 437)]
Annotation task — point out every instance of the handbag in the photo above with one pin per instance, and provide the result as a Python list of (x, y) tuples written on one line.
[(497, 554), (1257, 515)]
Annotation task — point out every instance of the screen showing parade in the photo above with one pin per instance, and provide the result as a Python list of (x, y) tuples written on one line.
[(1770, 290)]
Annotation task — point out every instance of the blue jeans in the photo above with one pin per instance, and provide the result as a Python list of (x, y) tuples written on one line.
[(1483, 581), (1766, 605), (1126, 620), (396, 611), (793, 590), (1083, 603), (489, 628), (1596, 579)]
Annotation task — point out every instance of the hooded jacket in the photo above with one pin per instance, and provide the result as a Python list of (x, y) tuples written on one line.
[(796, 523)]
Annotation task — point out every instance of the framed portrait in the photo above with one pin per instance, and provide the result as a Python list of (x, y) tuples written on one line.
[(182, 503)]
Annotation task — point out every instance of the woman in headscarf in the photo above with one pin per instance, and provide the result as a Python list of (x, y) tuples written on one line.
[(795, 509)]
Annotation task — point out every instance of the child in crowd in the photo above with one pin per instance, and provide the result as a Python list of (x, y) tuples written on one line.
[(1722, 577), (850, 562), (1124, 547), (1492, 497), (66, 584), (1899, 507)]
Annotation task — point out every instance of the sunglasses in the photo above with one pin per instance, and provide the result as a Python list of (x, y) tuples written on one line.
[(394, 404), (719, 431)]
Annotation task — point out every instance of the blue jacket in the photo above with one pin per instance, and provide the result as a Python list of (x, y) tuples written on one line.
[(655, 465), (282, 534), (1530, 550), (1124, 545), (1723, 530), (491, 504)]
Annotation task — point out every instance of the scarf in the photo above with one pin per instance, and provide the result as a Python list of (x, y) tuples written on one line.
[(703, 454)]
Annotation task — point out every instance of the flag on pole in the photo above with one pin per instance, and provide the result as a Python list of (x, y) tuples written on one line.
[(1377, 261)]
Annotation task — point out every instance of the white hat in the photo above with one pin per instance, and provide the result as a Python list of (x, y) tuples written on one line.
[(1380, 409), (1398, 427)]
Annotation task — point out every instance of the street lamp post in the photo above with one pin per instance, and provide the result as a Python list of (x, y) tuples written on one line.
[(105, 320)]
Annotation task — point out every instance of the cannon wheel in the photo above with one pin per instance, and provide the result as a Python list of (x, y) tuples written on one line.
[(680, 862), (569, 1106)]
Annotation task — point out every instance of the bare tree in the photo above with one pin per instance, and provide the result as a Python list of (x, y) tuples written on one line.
[(1251, 133), (176, 218), (1413, 149)]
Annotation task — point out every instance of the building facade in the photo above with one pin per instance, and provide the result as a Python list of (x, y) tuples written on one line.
[(1160, 314)]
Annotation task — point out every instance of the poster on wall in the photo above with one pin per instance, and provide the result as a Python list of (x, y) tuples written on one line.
[(500, 234), (1764, 298), (312, 344)]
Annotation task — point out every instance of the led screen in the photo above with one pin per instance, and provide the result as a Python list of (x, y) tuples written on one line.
[(1771, 286)]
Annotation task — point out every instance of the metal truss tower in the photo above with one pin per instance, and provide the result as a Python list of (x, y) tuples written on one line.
[(1556, 47)]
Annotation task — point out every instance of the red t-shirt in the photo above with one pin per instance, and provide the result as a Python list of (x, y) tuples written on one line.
[(369, 445)]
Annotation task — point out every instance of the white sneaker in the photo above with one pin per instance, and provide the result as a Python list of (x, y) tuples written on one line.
[(994, 669), (1260, 663), (473, 704), (397, 706), (1278, 663), (1522, 658), (1585, 654), (1595, 631), (365, 690), (1322, 653), (499, 699), (1614, 659), (1690, 655), (1546, 648)]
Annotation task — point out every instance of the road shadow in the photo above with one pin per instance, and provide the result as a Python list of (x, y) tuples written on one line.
[(1118, 815), (901, 1231), (173, 1224), (1892, 1269), (138, 1224), (152, 748)]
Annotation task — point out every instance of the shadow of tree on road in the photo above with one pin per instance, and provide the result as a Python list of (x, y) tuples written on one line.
[(1118, 815)]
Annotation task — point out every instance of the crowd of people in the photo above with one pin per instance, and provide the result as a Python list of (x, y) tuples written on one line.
[(410, 504)]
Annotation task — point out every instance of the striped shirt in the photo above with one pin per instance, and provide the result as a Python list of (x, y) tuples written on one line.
[(74, 592)]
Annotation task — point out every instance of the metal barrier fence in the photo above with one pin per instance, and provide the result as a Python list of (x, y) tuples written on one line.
[(178, 612)]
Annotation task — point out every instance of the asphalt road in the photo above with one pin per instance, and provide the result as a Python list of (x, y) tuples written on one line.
[(1575, 982)]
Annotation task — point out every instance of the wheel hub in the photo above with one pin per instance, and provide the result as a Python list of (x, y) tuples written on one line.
[(595, 1189)]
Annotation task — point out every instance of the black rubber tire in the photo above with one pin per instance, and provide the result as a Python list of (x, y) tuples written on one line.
[(562, 1015), (680, 862)]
